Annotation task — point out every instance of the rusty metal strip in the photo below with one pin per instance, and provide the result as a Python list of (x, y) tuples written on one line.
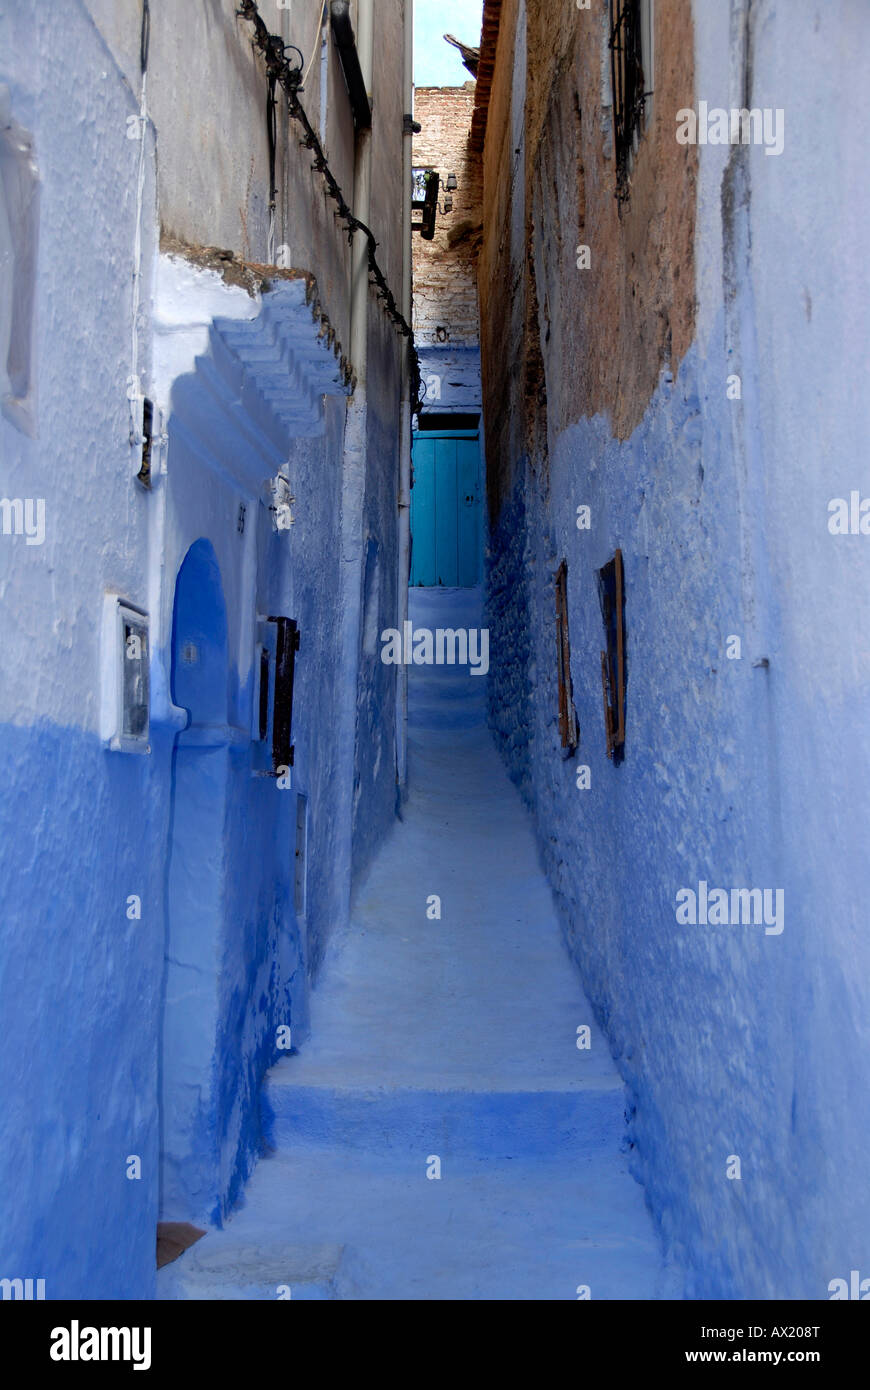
[(620, 652), (608, 713), (561, 574)]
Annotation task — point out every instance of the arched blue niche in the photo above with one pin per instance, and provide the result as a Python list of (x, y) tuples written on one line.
[(199, 638), (195, 893)]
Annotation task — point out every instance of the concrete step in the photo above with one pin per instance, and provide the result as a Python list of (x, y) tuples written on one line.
[(340, 1225), (497, 1124), (445, 697), (436, 715), (221, 1267), (446, 680), (441, 607)]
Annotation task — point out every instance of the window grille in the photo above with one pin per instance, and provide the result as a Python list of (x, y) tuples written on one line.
[(628, 83), (614, 676), (287, 645), (263, 721)]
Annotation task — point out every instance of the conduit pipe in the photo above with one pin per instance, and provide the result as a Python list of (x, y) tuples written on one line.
[(348, 55), (355, 461), (362, 202)]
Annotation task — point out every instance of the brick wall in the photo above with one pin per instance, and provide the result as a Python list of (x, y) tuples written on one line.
[(445, 276)]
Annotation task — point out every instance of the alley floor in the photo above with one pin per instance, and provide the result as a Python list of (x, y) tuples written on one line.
[(441, 1136)]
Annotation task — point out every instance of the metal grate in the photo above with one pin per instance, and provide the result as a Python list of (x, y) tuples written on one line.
[(286, 647), (627, 77)]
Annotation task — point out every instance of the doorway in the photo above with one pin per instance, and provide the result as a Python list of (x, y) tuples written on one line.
[(190, 1145), (446, 510)]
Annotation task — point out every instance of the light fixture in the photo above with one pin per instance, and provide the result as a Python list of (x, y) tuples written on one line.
[(425, 200)]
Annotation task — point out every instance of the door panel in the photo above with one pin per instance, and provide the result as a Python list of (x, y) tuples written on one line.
[(468, 507), (423, 514), (446, 512), (446, 516)]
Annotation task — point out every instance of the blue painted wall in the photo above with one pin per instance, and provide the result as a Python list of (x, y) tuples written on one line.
[(731, 1041), (81, 829), (740, 772), (84, 987)]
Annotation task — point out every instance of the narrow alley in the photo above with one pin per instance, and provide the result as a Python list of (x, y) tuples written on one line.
[(434, 683), (442, 1135)]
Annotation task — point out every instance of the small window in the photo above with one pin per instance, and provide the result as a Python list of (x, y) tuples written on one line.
[(272, 703), (568, 731), (614, 675), (144, 474), (631, 65), (19, 224), (263, 697), (263, 720), (135, 684), (126, 698), (286, 646)]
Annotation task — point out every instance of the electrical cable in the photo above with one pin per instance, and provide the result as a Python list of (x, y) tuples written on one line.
[(145, 36), (272, 132), (279, 69), (138, 431), (314, 49)]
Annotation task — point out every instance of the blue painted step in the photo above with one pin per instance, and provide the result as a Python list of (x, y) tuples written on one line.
[(471, 1123)]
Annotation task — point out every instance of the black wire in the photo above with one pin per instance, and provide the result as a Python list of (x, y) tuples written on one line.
[(272, 130), (278, 69), (145, 36)]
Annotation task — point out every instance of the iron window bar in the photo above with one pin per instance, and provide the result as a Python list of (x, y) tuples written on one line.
[(614, 672), (287, 645), (569, 733), (628, 86)]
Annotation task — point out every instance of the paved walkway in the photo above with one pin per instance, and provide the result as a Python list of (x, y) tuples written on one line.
[(442, 1044)]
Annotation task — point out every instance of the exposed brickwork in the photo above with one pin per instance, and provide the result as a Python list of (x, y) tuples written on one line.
[(502, 277), (620, 322), (485, 69), (445, 270)]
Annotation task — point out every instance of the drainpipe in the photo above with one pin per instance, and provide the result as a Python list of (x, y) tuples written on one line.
[(362, 204), (354, 462), (404, 576)]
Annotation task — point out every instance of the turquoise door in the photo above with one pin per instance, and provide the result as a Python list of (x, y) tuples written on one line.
[(446, 512)]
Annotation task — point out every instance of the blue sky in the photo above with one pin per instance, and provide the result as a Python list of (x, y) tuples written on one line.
[(436, 63)]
